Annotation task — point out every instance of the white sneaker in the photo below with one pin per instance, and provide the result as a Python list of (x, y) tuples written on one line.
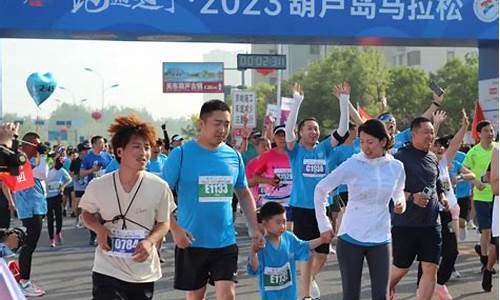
[(455, 274), (315, 292), (332, 250), (31, 290)]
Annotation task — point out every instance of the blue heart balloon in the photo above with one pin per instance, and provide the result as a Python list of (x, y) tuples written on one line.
[(41, 86)]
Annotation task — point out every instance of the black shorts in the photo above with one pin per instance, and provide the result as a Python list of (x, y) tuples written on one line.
[(424, 243), (109, 288), (79, 194), (339, 201), (68, 190), (465, 207), (305, 227), (195, 267)]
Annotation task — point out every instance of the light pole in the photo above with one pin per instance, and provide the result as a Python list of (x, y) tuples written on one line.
[(103, 89)]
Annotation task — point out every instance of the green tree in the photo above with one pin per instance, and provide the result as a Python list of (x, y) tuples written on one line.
[(459, 77), (408, 94), (363, 68)]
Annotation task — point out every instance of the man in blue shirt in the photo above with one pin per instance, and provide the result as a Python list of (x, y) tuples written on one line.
[(205, 172), (94, 165)]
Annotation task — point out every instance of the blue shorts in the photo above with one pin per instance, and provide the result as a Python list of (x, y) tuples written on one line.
[(483, 214), (30, 203)]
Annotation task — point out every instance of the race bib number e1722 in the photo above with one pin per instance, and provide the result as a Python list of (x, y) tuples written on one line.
[(215, 188)]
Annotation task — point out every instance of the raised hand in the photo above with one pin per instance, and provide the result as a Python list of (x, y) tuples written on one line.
[(439, 116), (465, 119), (297, 90), (343, 88)]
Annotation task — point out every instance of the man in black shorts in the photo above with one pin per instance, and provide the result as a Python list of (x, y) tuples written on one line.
[(416, 233)]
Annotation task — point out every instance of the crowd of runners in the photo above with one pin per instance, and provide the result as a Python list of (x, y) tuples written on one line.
[(377, 193)]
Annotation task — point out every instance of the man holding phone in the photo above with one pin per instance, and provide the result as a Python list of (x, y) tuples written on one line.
[(416, 233)]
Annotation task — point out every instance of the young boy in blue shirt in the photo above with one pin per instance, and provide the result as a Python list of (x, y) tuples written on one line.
[(274, 263)]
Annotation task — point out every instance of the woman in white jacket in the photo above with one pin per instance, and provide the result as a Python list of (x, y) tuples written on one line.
[(373, 178)]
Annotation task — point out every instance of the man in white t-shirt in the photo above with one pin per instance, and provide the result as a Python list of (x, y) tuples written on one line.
[(129, 211)]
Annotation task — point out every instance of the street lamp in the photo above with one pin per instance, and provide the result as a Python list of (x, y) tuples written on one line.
[(69, 91), (103, 89)]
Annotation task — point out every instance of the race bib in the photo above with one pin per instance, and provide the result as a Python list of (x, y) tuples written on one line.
[(276, 279), (215, 188), (124, 242), (284, 174), (314, 168), (53, 187), (262, 189)]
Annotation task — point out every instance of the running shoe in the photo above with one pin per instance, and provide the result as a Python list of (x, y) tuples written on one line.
[(486, 282), (315, 292), (455, 274), (30, 290), (441, 291), (59, 238), (52, 243)]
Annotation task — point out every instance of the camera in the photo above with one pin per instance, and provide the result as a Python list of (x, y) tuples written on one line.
[(11, 158), (427, 192)]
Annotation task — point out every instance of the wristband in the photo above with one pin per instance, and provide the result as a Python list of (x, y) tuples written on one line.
[(340, 139)]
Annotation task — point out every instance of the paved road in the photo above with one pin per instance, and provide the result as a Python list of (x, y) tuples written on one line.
[(65, 272)]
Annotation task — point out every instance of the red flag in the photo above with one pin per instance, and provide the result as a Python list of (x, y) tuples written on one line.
[(363, 114), (21, 182), (478, 117)]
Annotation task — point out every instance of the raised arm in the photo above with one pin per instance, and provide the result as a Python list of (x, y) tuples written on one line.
[(456, 141), (342, 92), (438, 117), (437, 101), (298, 97)]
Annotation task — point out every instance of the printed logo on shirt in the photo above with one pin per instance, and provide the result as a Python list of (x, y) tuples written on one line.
[(314, 168), (215, 188), (276, 279)]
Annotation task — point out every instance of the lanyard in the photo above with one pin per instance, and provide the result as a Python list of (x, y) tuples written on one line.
[(123, 216)]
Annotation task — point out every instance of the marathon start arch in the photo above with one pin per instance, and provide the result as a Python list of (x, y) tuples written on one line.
[(367, 22)]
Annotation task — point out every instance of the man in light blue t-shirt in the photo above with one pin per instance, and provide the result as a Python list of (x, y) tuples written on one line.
[(205, 173)]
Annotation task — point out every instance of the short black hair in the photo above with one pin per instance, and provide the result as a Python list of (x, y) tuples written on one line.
[(94, 139), (417, 122), (271, 209), (482, 124), (376, 128), (213, 105), (30, 136)]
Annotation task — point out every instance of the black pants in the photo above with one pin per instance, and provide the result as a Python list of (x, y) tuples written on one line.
[(54, 209), (109, 288), (33, 229), (351, 258), (4, 214), (449, 251)]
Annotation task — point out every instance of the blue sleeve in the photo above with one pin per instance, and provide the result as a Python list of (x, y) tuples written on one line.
[(172, 167), (299, 247), (86, 163), (65, 175), (404, 136), (241, 181), (326, 145), (292, 154), (112, 166)]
